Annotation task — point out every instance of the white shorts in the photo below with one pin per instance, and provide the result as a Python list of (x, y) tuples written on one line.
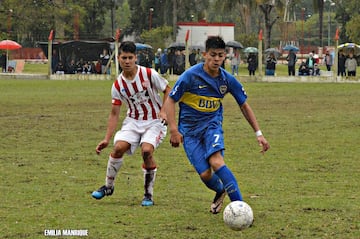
[(136, 132)]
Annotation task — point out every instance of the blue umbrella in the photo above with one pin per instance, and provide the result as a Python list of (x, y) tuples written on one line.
[(141, 46), (290, 48)]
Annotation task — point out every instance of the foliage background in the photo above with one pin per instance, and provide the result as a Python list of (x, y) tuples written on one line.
[(30, 21)]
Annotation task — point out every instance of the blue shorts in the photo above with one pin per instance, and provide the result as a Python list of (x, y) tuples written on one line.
[(200, 147)]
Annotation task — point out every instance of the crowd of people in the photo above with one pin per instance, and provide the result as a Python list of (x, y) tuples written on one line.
[(346, 64), (172, 61), (144, 58), (310, 66), (101, 66)]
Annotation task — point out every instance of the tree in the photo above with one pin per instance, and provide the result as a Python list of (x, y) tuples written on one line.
[(319, 8), (25, 21), (30, 21), (353, 29), (345, 17), (239, 11), (35, 18), (118, 17), (266, 9), (156, 37)]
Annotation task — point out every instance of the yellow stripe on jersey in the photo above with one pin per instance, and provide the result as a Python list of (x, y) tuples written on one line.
[(201, 103)]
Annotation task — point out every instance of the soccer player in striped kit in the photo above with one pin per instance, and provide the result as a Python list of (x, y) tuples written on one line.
[(138, 88)]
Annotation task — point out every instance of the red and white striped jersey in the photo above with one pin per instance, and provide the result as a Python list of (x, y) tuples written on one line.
[(141, 94)]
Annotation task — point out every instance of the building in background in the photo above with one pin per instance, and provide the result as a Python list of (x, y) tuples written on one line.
[(200, 31)]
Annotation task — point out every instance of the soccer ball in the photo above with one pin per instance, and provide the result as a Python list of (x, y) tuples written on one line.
[(238, 215)]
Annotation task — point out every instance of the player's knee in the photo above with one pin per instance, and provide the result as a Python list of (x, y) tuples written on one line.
[(206, 175), (146, 156), (117, 151), (147, 151), (116, 154), (149, 162)]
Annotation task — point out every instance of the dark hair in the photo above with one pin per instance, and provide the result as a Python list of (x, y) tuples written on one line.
[(214, 42), (127, 46)]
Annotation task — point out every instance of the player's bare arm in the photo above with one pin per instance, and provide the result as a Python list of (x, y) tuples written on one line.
[(175, 137), (162, 113), (250, 117), (111, 126)]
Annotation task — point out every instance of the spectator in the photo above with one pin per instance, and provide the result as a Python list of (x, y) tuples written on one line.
[(328, 60), (316, 70), (270, 65), (71, 67), (141, 58), (192, 57), (179, 66), (341, 64), (3, 60), (54, 61), (98, 67), (303, 69), (171, 60), (148, 59), (291, 59), (164, 62), (79, 65), (87, 68), (105, 58), (198, 57), (92, 65), (252, 63), (310, 62), (351, 65), (235, 62), (157, 61), (60, 68)]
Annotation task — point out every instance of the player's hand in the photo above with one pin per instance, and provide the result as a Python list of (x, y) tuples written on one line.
[(103, 144), (163, 117), (263, 143), (175, 138), (164, 122)]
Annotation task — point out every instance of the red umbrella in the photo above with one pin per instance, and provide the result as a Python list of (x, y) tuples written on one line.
[(8, 45)]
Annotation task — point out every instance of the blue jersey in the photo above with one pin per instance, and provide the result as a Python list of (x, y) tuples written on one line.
[(200, 98)]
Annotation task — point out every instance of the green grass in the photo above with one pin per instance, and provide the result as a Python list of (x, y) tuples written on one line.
[(32, 68), (306, 186)]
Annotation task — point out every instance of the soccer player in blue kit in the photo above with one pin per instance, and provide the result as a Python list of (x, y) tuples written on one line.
[(199, 91)]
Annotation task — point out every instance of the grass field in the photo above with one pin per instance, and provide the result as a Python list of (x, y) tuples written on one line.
[(306, 186)]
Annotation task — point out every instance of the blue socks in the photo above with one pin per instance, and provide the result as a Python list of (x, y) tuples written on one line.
[(229, 182), (215, 184)]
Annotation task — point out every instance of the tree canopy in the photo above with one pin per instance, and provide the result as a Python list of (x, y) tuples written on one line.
[(30, 21)]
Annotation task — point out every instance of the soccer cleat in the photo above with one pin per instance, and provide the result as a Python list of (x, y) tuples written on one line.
[(102, 192), (146, 202), (217, 203)]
